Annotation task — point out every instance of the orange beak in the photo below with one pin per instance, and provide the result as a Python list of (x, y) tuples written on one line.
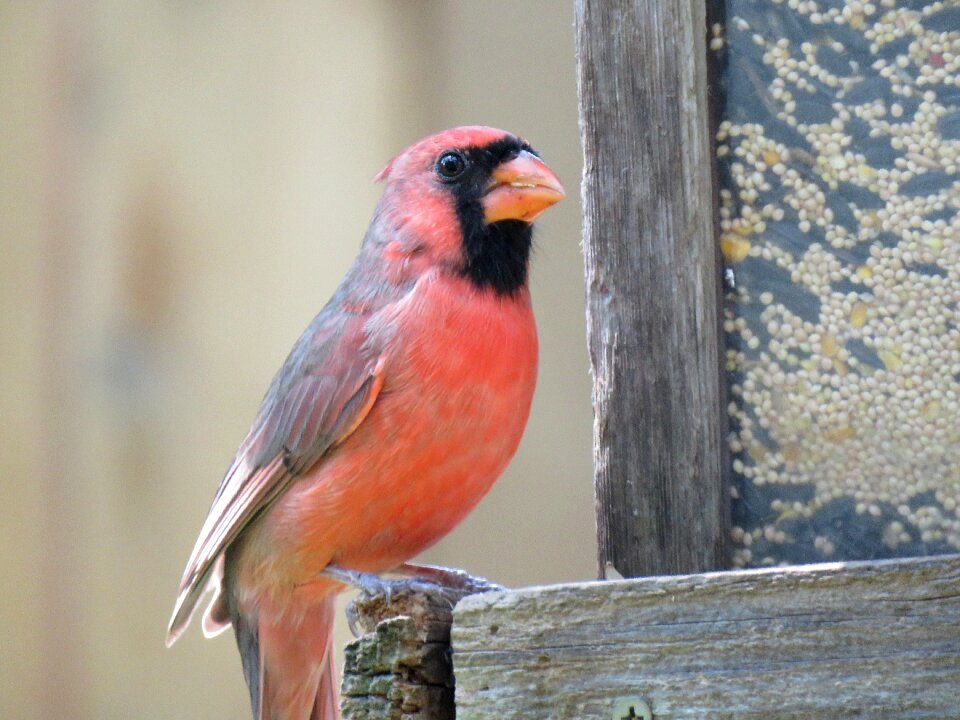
[(522, 188)]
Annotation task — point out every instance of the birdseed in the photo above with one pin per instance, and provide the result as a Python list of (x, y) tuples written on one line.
[(838, 156)]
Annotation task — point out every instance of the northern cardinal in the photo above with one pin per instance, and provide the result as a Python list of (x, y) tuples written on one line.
[(394, 413)]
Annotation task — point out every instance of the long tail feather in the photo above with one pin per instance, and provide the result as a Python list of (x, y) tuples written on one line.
[(326, 705), (248, 642), (288, 666)]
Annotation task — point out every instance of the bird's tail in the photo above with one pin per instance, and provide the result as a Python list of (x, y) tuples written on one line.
[(290, 669)]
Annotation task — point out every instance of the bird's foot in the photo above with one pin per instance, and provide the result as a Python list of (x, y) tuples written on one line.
[(374, 585), (450, 578), (376, 590), (380, 596)]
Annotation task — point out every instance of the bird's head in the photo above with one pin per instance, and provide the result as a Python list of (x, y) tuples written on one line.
[(465, 199)]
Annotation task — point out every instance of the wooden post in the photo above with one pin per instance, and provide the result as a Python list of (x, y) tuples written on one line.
[(652, 271), (400, 667)]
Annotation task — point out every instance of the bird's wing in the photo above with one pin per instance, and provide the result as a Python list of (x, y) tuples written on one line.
[(321, 394)]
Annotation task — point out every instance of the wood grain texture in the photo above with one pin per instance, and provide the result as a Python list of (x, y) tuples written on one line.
[(866, 640), (652, 275), (400, 668)]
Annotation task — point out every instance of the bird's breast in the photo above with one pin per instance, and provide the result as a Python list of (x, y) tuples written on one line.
[(459, 379)]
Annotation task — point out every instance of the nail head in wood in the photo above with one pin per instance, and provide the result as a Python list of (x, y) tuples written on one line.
[(632, 707)]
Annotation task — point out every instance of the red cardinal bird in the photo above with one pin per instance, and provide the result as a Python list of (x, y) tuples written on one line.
[(394, 413)]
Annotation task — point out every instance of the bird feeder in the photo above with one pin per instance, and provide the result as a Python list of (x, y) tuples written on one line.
[(838, 154)]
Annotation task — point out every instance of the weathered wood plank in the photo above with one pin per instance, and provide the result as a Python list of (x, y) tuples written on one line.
[(867, 640), (652, 273)]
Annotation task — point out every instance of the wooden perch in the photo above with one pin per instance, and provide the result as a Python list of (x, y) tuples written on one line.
[(867, 640), (400, 668)]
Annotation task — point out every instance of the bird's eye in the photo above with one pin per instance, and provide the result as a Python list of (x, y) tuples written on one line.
[(450, 165)]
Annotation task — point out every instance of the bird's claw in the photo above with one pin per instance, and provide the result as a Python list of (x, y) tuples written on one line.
[(353, 618), (445, 585), (420, 578), (368, 583), (452, 579)]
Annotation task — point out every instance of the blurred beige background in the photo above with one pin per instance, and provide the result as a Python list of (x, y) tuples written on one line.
[(182, 185)]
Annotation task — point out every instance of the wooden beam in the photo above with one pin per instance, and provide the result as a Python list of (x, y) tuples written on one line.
[(878, 639), (652, 272)]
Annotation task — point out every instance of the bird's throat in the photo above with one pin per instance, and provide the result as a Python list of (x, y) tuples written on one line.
[(496, 256)]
